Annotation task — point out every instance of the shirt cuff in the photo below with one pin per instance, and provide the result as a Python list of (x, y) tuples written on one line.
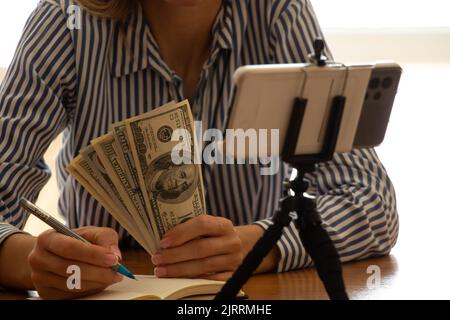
[(292, 254), (7, 230)]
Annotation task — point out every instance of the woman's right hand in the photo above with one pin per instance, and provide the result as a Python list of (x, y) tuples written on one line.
[(54, 253)]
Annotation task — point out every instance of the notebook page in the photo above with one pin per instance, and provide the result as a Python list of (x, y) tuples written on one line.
[(152, 287)]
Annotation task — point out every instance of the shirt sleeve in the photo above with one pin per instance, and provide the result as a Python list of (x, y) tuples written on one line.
[(354, 195), (35, 94)]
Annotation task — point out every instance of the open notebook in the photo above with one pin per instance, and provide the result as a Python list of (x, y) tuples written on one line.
[(150, 287)]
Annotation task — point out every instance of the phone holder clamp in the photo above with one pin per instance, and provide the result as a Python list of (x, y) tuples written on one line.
[(318, 58)]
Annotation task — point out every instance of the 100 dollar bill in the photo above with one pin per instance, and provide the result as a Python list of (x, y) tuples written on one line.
[(174, 193), (109, 154), (81, 171)]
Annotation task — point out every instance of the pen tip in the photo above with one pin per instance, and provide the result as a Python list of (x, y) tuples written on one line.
[(130, 275), (124, 271)]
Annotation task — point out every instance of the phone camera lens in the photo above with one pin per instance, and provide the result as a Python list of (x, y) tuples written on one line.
[(374, 83), (377, 96), (387, 83)]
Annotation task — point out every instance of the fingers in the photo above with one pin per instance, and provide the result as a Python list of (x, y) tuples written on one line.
[(75, 250), (104, 237), (58, 283), (201, 226), (198, 249), (205, 245), (45, 262), (197, 268), (54, 253)]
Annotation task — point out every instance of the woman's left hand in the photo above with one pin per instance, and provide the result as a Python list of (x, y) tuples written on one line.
[(204, 247)]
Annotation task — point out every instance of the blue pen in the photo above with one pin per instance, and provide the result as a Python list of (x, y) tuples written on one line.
[(59, 227)]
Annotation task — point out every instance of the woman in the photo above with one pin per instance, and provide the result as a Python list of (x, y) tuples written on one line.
[(77, 72)]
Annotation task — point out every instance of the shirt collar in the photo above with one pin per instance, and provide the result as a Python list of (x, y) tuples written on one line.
[(223, 27), (133, 47), (128, 46)]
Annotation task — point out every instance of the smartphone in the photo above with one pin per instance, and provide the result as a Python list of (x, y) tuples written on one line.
[(264, 97), (377, 107)]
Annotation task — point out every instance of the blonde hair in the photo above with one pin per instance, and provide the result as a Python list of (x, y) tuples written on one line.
[(116, 9)]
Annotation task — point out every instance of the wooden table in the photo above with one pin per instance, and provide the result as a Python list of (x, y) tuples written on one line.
[(303, 284)]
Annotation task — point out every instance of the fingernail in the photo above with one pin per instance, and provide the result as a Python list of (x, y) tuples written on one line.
[(157, 259), (160, 272), (117, 278), (115, 249), (111, 259), (165, 243)]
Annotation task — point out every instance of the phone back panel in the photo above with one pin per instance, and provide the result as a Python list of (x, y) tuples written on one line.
[(377, 107)]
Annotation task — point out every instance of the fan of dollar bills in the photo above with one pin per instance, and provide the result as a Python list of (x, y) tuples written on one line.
[(131, 172)]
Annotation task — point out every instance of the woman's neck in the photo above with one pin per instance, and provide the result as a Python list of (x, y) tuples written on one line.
[(183, 32)]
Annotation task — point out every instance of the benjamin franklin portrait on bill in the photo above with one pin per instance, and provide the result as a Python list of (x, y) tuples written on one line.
[(169, 182)]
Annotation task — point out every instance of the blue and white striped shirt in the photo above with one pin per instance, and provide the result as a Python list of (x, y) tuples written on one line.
[(81, 81)]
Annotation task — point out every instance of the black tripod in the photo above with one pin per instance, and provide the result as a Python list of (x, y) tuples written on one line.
[(295, 205)]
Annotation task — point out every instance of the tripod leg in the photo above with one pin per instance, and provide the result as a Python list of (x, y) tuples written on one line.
[(320, 247)]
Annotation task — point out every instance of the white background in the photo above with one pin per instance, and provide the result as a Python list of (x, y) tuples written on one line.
[(383, 13)]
